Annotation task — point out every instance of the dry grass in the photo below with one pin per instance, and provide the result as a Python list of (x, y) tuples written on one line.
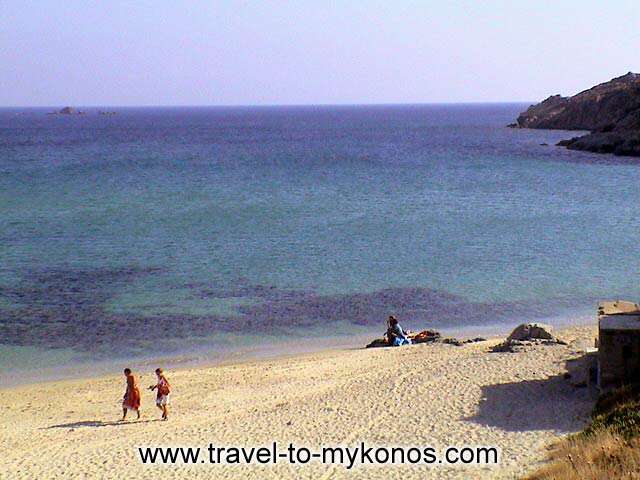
[(609, 448), (602, 456)]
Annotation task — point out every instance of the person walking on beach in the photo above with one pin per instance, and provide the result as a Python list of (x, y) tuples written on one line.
[(163, 390), (397, 336), (131, 400)]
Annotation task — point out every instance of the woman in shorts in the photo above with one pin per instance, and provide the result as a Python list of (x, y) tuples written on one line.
[(163, 389)]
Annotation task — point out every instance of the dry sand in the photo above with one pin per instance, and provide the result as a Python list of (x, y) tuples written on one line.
[(429, 395)]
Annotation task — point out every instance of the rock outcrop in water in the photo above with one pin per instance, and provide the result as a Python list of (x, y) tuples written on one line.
[(610, 111), (67, 111)]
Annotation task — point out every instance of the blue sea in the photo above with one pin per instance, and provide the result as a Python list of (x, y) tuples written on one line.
[(198, 233)]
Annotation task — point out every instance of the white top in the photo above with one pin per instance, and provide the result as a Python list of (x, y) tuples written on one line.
[(620, 322)]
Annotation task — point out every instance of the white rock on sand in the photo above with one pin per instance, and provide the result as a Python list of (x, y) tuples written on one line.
[(428, 395)]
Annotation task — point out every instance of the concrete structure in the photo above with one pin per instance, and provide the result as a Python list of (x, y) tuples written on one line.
[(618, 344)]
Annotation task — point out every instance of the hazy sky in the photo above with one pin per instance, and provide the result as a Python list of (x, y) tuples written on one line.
[(174, 52)]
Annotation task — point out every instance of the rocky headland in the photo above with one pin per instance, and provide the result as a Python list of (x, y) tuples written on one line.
[(609, 111)]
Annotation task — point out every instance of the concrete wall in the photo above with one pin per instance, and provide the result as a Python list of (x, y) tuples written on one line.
[(618, 356)]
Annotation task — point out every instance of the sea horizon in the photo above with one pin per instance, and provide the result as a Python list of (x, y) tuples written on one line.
[(271, 105)]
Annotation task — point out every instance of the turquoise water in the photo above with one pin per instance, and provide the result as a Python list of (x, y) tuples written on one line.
[(158, 230)]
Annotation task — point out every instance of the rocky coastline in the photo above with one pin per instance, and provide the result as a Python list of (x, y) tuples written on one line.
[(610, 111)]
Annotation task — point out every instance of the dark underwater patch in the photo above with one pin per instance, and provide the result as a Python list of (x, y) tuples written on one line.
[(59, 308)]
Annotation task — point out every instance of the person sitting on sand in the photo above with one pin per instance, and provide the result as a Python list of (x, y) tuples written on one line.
[(131, 400), (162, 395), (397, 336)]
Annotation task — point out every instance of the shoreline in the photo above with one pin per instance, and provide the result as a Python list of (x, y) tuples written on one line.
[(444, 394), (292, 347)]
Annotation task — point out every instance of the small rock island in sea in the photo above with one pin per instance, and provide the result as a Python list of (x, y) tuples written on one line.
[(610, 111), (67, 111)]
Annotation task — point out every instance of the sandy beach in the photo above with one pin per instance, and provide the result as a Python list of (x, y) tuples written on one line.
[(428, 395)]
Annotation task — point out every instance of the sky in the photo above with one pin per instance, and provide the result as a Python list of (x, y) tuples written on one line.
[(261, 52)]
